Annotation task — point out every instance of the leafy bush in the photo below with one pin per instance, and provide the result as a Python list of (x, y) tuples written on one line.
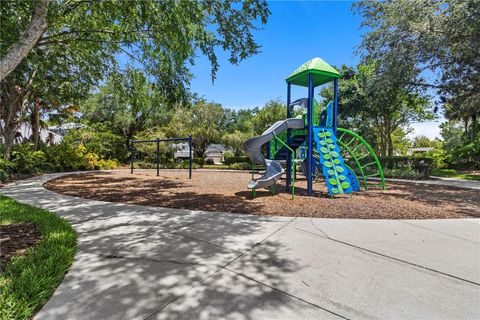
[(228, 154), (422, 165), (99, 140), (57, 158), (241, 166), (185, 165), (236, 159), (209, 161), (199, 161), (4, 175), (465, 156), (26, 160), (438, 157), (404, 173), (6, 169)]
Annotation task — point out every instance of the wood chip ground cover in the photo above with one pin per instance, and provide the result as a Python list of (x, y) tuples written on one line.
[(227, 192), (15, 239)]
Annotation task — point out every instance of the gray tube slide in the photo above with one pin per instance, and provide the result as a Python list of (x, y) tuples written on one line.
[(252, 148)]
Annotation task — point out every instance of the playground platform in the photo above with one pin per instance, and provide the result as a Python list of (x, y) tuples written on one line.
[(140, 262)]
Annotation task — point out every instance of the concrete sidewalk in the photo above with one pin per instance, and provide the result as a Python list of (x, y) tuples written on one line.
[(137, 262), (440, 181)]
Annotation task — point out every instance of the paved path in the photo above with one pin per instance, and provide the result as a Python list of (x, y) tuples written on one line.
[(137, 262), (441, 181)]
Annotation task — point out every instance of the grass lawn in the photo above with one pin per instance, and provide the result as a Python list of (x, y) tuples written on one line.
[(28, 281), (451, 173)]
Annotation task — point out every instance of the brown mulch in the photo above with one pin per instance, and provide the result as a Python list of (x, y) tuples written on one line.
[(15, 239), (227, 192)]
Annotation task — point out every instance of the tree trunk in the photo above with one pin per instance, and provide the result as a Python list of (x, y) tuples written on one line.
[(465, 125), (36, 123), (17, 52), (11, 106), (474, 126), (389, 142)]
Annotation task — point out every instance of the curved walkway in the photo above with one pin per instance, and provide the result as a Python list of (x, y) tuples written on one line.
[(137, 262)]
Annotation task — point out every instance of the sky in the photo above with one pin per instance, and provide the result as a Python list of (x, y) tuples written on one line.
[(296, 32)]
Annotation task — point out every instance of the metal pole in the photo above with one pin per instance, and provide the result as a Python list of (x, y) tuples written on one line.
[(309, 136), (268, 150), (190, 157), (288, 165), (132, 150), (158, 157), (335, 104)]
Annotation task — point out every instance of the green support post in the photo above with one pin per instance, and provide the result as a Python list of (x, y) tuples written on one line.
[(293, 163)]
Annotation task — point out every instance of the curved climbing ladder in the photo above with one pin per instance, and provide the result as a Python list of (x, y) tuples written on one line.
[(361, 159)]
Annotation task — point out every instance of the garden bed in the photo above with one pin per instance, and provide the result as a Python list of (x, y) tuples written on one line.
[(227, 192), (15, 239), (37, 249)]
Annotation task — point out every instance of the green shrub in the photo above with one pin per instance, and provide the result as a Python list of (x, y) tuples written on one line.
[(228, 154), (99, 140), (199, 161), (465, 156), (241, 166), (4, 175), (6, 169), (185, 165), (422, 165), (64, 156), (209, 161), (26, 160), (404, 173), (236, 159)]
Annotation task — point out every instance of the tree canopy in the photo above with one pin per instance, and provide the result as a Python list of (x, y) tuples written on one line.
[(82, 40)]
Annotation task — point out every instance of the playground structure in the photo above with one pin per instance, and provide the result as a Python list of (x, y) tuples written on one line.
[(157, 141), (314, 141)]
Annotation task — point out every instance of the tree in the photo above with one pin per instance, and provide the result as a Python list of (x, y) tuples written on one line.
[(235, 141), (451, 133), (203, 120), (374, 100), (19, 50), (271, 112), (83, 39), (128, 104), (435, 42)]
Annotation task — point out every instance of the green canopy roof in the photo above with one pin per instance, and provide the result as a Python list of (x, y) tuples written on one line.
[(321, 72)]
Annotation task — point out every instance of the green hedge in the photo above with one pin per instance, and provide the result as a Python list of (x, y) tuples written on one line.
[(236, 159), (57, 158), (420, 165)]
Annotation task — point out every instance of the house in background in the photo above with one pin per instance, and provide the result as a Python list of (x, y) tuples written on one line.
[(25, 132), (65, 127), (181, 151), (419, 150), (215, 152)]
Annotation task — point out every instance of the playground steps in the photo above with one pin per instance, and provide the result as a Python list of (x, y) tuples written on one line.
[(295, 142), (338, 177)]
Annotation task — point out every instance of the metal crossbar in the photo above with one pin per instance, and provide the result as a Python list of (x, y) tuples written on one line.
[(158, 140)]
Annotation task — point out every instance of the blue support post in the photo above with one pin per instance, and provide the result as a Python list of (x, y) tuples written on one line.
[(268, 150), (158, 157), (335, 104), (309, 136), (288, 169), (132, 152), (190, 157)]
